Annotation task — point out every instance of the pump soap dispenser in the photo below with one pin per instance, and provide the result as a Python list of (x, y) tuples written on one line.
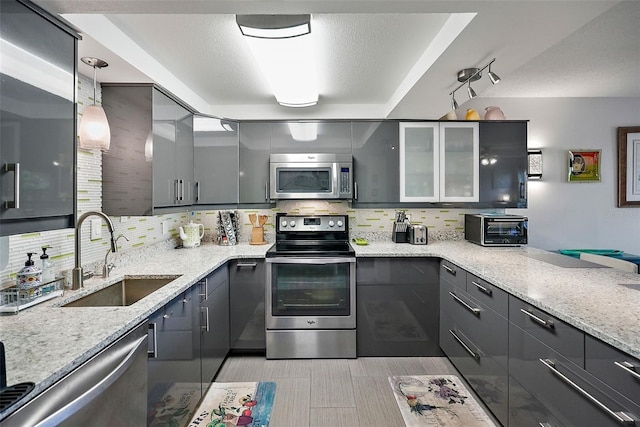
[(47, 267), (30, 275)]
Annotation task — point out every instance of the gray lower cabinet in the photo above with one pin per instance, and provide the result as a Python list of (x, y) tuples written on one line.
[(571, 394), (214, 322), (474, 337), (174, 347), (376, 159), (614, 367), (215, 161), (189, 337), (397, 307), (246, 305), (37, 120), (528, 367)]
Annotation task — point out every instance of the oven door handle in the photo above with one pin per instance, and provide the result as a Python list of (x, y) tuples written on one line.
[(303, 260)]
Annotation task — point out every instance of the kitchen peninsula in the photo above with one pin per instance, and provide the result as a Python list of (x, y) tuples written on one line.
[(48, 341)]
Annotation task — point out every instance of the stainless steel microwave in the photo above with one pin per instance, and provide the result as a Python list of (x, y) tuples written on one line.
[(496, 229), (311, 176)]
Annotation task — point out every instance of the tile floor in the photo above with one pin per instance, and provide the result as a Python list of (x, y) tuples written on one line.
[(332, 392)]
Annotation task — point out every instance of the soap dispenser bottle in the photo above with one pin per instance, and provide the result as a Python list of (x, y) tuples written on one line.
[(30, 275), (47, 267)]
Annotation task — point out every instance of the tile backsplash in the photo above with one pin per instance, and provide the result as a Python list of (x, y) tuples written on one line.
[(144, 232)]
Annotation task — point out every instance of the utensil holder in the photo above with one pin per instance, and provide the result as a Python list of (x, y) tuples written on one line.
[(399, 234)]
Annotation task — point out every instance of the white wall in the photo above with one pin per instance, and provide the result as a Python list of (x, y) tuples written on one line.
[(565, 215)]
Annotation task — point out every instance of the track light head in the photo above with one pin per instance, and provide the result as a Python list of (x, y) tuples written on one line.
[(493, 76), (472, 93), (454, 103)]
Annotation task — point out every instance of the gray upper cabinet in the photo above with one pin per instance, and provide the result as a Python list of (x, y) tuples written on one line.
[(376, 162), (37, 120), (172, 153), (215, 161), (253, 175), (311, 137), (503, 164), (149, 167)]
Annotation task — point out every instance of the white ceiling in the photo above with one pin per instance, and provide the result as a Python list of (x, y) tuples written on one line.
[(380, 59)]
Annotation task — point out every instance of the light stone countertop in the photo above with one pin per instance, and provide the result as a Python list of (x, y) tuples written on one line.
[(46, 342)]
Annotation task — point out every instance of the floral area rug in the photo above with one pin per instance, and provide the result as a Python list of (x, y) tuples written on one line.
[(235, 404), (437, 400)]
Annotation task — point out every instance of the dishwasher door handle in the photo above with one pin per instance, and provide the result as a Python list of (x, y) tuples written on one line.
[(88, 396)]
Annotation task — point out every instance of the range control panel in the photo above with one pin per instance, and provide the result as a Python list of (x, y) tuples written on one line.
[(295, 223)]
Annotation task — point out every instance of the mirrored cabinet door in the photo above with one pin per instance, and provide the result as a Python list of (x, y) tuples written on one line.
[(419, 162)]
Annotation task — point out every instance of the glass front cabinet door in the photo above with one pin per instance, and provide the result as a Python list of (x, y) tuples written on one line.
[(459, 162), (439, 162), (419, 162)]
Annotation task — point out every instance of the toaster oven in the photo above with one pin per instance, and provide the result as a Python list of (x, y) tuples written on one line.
[(496, 229)]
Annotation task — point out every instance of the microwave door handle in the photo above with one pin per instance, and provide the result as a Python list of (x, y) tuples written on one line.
[(336, 185)]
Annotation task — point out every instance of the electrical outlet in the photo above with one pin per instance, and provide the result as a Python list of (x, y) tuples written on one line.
[(96, 228), (164, 227)]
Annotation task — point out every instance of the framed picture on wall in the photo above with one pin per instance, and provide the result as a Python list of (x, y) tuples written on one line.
[(584, 165), (629, 166)]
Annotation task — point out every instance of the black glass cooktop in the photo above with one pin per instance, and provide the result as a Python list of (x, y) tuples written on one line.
[(316, 248)]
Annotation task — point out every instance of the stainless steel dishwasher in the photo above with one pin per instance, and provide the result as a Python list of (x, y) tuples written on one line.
[(110, 389)]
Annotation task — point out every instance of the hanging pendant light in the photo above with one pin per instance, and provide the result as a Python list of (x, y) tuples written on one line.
[(94, 128)]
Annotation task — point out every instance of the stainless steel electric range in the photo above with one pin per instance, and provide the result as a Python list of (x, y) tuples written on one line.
[(311, 289)]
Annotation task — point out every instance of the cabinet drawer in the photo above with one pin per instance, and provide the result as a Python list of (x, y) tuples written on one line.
[(454, 274), (485, 375), (564, 338), (526, 410), (401, 271), (494, 298), (485, 327), (614, 367), (575, 397)]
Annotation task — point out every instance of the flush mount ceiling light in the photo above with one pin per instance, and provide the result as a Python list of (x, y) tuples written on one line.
[(468, 75), (274, 26), (283, 47), (94, 128)]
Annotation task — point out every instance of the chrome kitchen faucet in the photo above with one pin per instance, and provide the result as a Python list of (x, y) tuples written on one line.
[(76, 276)]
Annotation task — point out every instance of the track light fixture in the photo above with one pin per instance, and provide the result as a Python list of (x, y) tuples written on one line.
[(468, 75)]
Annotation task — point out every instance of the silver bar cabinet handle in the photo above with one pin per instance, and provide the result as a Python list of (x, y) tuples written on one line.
[(546, 323), (153, 328), (197, 191), (473, 310), (205, 282), (464, 345), (449, 269), (482, 288), (15, 168), (621, 417), (266, 190), (629, 368), (246, 265), (176, 187), (355, 190), (205, 313)]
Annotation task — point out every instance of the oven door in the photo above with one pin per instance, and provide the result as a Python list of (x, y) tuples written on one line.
[(505, 231), (310, 293)]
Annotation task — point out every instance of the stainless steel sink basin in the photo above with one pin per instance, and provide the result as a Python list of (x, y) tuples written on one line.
[(123, 293)]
